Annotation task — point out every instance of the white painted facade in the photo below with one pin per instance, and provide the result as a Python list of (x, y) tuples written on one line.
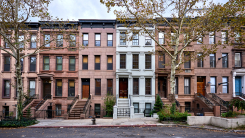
[(238, 73), (129, 49)]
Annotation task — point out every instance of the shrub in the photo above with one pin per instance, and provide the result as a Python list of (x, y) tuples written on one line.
[(173, 108), (229, 114), (17, 123), (158, 105), (109, 102)]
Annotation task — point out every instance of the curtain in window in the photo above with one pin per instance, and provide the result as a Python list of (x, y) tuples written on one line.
[(187, 86)]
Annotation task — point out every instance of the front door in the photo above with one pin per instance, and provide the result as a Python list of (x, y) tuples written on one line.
[(46, 90), (123, 87), (85, 91), (238, 86), (201, 85), (162, 87)]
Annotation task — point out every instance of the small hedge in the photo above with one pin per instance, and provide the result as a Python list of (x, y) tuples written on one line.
[(17, 123), (229, 114), (182, 117)]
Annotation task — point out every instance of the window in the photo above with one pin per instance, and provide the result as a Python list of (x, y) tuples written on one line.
[(211, 38), (161, 38), (33, 63), (33, 41), (72, 41), (212, 60), (122, 61), (147, 39), (136, 107), (85, 39), (97, 86), (238, 60), (135, 61), (224, 37), (58, 109), (72, 62), (109, 39), (85, 62), (200, 40), (173, 38), (7, 63), (21, 41), (110, 86), (45, 63), (97, 39), (212, 84), (6, 44), (147, 109), (136, 86), (187, 63), (96, 109), (21, 63), (147, 61), (58, 90), (147, 86), (176, 85), (225, 60), (161, 60), (71, 88), (187, 86), (237, 37), (97, 63), (47, 40), (109, 63), (122, 38), (187, 106), (135, 39), (32, 87), (6, 92), (58, 63), (199, 60), (59, 42), (225, 84)]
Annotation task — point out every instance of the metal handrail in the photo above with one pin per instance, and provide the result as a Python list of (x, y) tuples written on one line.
[(84, 108), (43, 100), (205, 100), (27, 101), (72, 103), (219, 100)]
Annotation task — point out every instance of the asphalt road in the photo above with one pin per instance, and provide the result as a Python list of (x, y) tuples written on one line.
[(142, 132)]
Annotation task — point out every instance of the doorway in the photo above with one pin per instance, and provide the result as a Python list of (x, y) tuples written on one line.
[(238, 86), (85, 88), (201, 85), (46, 89), (123, 87), (162, 86)]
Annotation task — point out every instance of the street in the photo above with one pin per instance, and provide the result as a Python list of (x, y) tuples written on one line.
[(143, 132)]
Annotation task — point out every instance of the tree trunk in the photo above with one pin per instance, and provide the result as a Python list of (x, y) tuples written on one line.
[(19, 87), (172, 80)]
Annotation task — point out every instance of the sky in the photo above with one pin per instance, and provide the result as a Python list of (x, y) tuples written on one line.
[(83, 9)]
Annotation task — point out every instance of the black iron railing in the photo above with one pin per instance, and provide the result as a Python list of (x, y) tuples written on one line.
[(205, 100), (50, 114), (123, 112), (84, 108), (42, 101), (72, 103), (28, 100), (219, 100)]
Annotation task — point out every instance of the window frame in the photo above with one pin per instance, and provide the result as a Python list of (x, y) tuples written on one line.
[(187, 85), (187, 65), (9, 64), (110, 40), (135, 63), (223, 60), (212, 61), (123, 61), (148, 61), (240, 59), (3, 89), (225, 84), (136, 88), (59, 41), (148, 39), (69, 88), (109, 89), (95, 40), (48, 40), (72, 41), (31, 42), (30, 86), (173, 38), (109, 65), (224, 40), (135, 40), (58, 64), (161, 38), (98, 90), (95, 110), (5, 41), (21, 42), (136, 109), (84, 39), (85, 65), (161, 64), (46, 63), (214, 85), (70, 65), (122, 38), (97, 65), (31, 64), (199, 60), (211, 37), (150, 86), (58, 110), (58, 89)]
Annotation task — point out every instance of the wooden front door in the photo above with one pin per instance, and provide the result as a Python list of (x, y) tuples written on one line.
[(85, 91), (46, 90), (201, 85), (123, 87), (162, 87)]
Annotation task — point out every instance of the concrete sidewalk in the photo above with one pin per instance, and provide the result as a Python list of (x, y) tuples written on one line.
[(123, 122)]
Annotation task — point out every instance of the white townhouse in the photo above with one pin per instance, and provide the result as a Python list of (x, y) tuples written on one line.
[(135, 73)]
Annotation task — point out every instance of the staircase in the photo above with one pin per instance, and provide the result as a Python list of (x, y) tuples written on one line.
[(123, 109), (36, 104), (77, 110), (218, 102)]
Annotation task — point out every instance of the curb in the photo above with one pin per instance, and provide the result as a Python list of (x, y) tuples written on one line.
[(93, 126)]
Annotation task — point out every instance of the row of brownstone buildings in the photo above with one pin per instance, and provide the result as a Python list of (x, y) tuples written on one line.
[(73, 82)]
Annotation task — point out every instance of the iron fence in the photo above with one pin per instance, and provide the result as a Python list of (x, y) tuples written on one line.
[(123, 112), (6, 114), (100, 113), (50, 114)]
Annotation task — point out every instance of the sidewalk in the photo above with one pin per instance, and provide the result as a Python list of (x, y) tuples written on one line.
[(123, 122)]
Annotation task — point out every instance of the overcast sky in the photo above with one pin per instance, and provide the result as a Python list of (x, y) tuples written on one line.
[(83, 9)]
